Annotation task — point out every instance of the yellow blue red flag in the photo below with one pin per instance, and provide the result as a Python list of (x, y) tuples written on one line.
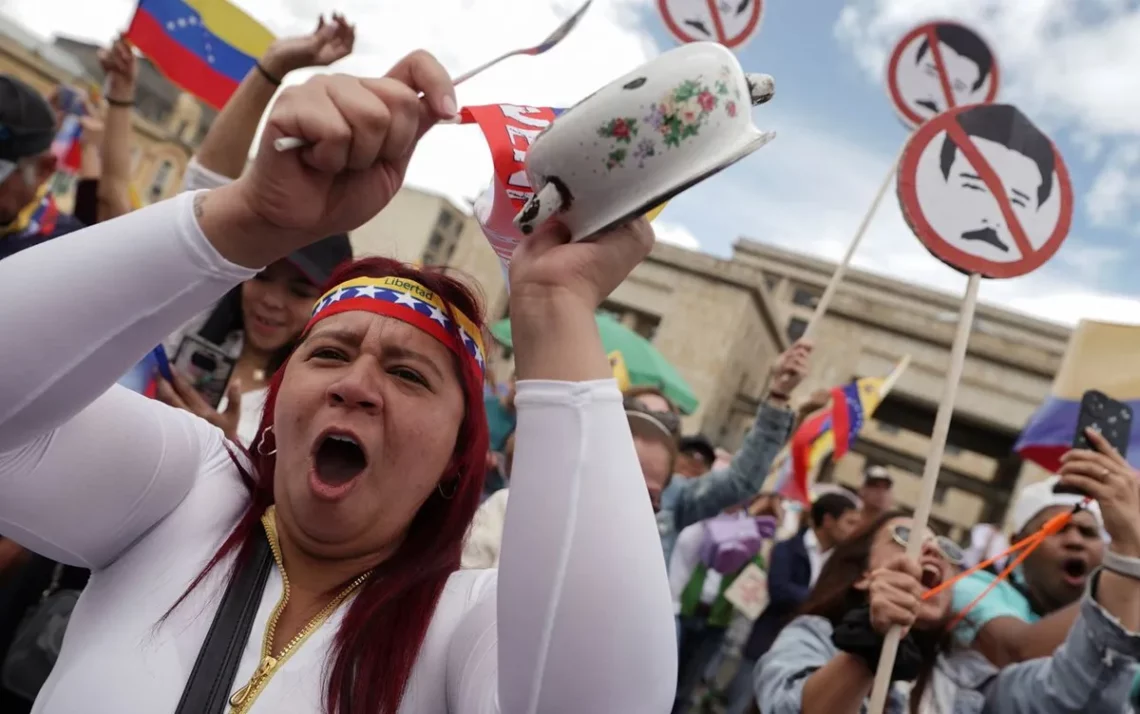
[(206, 47), (1101, 356), (828, 432)]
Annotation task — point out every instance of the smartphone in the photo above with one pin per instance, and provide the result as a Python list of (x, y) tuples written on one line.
[(205, 366), (1111, 418)]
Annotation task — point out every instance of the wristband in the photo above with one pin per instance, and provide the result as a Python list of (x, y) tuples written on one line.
[(120, 102), (268, 77), (1121, 564), (777, 395)]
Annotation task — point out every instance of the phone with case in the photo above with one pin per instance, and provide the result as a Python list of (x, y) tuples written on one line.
[(205, 366), (1112, 419)]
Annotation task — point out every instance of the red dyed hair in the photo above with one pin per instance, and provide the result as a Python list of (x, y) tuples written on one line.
[(380, 636)]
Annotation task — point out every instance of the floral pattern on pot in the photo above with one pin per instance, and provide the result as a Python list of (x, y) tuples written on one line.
[(679, 115)]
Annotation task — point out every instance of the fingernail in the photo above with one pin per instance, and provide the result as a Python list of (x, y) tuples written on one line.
[(448, 106)]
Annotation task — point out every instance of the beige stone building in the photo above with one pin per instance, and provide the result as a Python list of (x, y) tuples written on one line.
[(722, 321), (168, 124)]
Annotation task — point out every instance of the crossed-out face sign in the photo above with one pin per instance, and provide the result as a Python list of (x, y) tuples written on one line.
[(986, 191), (729, 22), (939, 66)]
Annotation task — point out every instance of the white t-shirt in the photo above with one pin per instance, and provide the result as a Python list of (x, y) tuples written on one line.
[(577, 620)]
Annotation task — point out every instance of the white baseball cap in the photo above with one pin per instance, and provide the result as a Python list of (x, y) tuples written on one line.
[(1037, 497)]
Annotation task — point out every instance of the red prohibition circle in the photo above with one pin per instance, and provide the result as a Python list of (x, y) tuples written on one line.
[(936, 244), (908, 115), (730, 42)]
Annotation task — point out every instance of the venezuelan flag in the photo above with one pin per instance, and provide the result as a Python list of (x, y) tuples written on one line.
[(829, 431), (1101, 356), (206, 47)]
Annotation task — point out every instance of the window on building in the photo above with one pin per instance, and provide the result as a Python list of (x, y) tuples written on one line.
[(771, 281), (805, 296), (445, 219), (161, 178), (888, 428), (796, 328), (953, 450), (435, 250)]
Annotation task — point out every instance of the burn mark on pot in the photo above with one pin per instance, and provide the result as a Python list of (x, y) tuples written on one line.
[(563, 192), (529, 213), (634, 83)]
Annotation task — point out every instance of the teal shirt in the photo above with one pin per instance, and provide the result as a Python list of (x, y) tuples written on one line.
[(500, 421), (1003, 601)]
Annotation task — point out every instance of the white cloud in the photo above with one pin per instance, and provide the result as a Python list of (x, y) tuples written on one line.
[(1116, 191), (1069, 61)]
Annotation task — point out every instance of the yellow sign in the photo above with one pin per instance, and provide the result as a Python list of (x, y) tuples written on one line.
[(621, 374)]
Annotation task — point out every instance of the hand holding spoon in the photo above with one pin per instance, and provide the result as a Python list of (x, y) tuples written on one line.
[(287, 143)]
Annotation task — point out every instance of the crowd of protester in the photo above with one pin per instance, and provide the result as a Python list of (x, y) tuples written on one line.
[(115, 509)]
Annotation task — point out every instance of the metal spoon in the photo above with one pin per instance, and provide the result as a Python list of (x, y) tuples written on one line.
[(287, 143)]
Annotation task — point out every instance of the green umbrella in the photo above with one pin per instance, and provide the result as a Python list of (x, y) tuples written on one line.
[(644, 363)]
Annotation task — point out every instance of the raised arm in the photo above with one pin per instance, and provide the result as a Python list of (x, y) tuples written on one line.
[(1091, 672), (743, 478), (584, 619), (86, 468), (121, 67)]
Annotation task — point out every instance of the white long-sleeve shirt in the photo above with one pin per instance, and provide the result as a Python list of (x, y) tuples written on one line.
[(578, 618)]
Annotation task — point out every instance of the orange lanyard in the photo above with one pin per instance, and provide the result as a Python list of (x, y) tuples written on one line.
[(1027, 545)]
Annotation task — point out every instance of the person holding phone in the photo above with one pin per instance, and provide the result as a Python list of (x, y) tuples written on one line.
[(228, 354), (223, 359)]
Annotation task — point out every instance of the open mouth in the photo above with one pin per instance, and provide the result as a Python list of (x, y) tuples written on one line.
[(267, 323), (338, 459), (931, 576), (1075, 569)]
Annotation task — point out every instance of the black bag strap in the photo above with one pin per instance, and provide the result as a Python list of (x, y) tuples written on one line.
[(208, 689)]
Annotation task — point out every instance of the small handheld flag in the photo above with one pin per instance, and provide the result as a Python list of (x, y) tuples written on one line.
[(206, 47)]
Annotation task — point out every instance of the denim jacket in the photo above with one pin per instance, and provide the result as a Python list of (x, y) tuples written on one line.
[(704, 497), (1091, 673)]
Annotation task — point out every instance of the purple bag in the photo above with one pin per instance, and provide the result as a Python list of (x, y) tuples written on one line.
[(732, 540)]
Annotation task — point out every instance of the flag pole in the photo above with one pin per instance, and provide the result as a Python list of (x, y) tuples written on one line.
[(925, 502), (841, 267), (893, 377)]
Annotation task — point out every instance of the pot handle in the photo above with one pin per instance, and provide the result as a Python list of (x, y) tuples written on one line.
[(538, 208), (760, 86)]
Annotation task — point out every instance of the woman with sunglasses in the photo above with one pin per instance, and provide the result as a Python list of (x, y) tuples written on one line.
[(824, 661), (367, 469)]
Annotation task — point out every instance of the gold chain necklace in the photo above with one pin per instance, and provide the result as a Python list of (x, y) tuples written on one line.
[(242, 700)]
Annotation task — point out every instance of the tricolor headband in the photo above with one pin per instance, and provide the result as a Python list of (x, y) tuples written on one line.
[(404, 300)]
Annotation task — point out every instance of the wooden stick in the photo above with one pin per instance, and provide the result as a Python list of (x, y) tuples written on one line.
[(841, 268), (893, 377), (929, 478)]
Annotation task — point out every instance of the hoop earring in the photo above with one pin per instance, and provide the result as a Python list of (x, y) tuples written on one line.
[(448, 496), (261, 442)]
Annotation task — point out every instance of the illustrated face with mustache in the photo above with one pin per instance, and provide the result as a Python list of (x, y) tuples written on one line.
[(971, 218), (962, 72)]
